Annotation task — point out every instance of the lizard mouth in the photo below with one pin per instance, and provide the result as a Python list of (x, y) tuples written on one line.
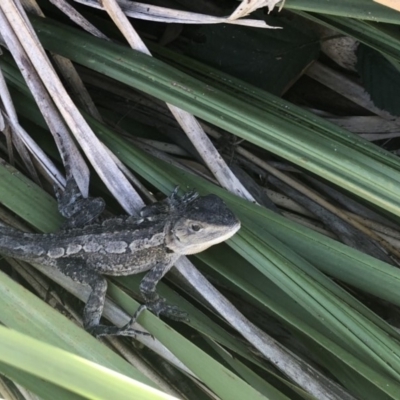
[(219, 239)]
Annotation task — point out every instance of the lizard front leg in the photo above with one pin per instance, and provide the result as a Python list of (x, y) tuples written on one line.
[(154, 302), (78, 210), (78, 271)]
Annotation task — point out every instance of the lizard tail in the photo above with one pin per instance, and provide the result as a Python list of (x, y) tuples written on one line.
[(17, 244)]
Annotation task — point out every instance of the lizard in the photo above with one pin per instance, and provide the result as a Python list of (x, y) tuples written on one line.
[(88, 248)]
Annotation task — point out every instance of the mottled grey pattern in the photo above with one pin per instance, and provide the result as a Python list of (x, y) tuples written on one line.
[(73, 249), (31, 248), (92, 247), (56, 252), (85, 249), (118, 247)]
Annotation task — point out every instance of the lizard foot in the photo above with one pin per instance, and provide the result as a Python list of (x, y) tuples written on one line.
[(159, 307), (126, 330)]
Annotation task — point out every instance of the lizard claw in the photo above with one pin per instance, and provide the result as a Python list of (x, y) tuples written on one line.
[(105, 330), (126, 330)]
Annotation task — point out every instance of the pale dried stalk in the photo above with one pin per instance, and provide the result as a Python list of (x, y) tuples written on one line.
[(12, 138), (78, 18), (69, 72), (75, 84), (319, 200), (187, 121), (99, 158), (66, 68), (390, 239), (376, 226), (283, 201), (50, 114), (363, 124), (11, 115), (40, 156), (309, 379), (394, 4), (26, 393), (347, 88), (370, 128), (297, 370), (372, 137), (23, 136), (14, 391), (389, 234), (346, 216), (189, 124), (209, 154), (246, 7), (164, 157), (131, 177), (198, 169), (2, 122), (167, 15), (315, 226)]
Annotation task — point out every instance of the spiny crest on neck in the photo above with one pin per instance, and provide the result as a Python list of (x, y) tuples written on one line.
[(172, 205)]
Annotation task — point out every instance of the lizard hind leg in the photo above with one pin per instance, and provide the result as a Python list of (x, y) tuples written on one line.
[(91, 316), (78, 271), (154, 302)]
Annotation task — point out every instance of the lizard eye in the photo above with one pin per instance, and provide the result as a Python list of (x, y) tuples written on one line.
[(196, 227)]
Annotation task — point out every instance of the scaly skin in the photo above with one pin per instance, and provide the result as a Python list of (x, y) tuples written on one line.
[(85, 250)]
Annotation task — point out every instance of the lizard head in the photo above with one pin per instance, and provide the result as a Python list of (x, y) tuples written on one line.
[(203, 222)]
